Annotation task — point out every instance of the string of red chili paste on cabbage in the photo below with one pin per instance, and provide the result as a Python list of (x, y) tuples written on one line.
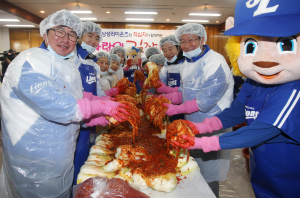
[(158, 160)]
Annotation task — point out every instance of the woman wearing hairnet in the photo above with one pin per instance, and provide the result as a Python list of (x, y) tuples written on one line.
[(114, 68), (103, 63), (206, 89), (170, 73), (121, 52), (42, 106)]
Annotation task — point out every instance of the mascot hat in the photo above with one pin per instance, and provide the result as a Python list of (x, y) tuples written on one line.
[(272, 18)]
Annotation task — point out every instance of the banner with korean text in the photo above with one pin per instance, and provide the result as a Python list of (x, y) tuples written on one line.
[(142, 38)]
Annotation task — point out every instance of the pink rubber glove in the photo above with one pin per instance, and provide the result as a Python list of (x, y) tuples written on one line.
[(106, 107), (165, 89), (112, 92), (189, 106), (175, 98), (96, 121), (90, 96), (207, 144), (209, 125)]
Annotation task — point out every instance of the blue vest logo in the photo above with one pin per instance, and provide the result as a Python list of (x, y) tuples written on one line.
[(90, 79), (172, 82)]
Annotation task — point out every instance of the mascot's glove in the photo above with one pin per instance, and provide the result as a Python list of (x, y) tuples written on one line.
[(189, 106), (207, 144), (175, 98), (90, 96), (106, 107), (96, 121), (112, 92), (209, 125), (129, 64), (165, 89)]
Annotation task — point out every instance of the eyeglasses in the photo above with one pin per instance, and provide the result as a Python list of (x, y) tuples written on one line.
[(191, 41), (60, 33)]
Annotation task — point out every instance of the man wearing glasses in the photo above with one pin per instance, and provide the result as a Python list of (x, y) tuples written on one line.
[(60, 41), (42, 106), (206, 89)]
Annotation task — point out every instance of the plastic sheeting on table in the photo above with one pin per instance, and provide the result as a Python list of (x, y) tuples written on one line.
[(193, 186)]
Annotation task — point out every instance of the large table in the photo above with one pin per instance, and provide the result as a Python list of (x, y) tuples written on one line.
[(192, 186)]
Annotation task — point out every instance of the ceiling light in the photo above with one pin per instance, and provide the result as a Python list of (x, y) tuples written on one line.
[(42, 11), (132, 19), (204, 14), (205, 8), (77, 6), (217, 21), (10, 20), (168, 20), (132, 12), (88, 19), (81, 12), (201, 21), (107, 12), (19, 25)]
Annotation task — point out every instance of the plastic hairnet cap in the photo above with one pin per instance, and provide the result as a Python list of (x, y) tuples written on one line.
[(281, 20), (151, 51), (115, 57), (118, 49), (191, 28), (62, 17), (92, 27), (158, 59), (168, 39), (103, 54)]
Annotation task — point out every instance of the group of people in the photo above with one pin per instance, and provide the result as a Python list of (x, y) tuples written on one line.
[(52, 98)]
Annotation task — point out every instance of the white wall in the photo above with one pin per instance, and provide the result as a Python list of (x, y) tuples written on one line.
[(4, 39)]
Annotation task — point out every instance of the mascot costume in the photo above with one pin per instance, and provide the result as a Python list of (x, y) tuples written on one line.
[(134, 62), (263, 46)]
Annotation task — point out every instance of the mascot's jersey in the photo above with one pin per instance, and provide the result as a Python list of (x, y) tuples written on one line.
[(278, 107), (272, 114)]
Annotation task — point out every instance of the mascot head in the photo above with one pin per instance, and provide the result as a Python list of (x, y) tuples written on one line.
[(264, 42), (134, 54)]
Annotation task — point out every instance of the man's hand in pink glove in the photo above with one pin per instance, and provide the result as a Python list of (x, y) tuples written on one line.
[(106, 107), (96, 121), (189, 106), (112, 91), (175, 97), (207, 144), (209, 125), (165, 89)]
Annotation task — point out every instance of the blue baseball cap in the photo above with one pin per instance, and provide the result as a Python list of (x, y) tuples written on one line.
[(272, 18)]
